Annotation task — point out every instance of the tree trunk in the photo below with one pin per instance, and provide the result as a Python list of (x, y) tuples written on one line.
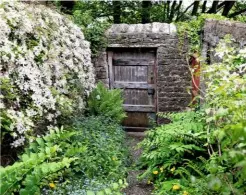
[(237, 13), (172, 12), (227, 8), (182, 14), (213, 9), (195, 8), (67, 6), (117, 12), (164, 11), (178, 9), (146, 5), (204, 5), (168, 9)]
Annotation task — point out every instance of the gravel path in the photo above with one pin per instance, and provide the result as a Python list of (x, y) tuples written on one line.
[(136, 187)]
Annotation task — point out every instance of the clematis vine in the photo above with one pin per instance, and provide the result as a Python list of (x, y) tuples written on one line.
[(45, 57)]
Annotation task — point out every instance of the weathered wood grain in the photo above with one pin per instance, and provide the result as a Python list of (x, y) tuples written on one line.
[(133, 70), (131, 73), (133, 62), (110, 64), (139, 108)]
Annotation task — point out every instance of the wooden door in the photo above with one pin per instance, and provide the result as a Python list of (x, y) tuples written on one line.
[(133, 70)]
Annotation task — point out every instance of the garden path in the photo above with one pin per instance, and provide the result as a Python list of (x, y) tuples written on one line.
[(135, 187)]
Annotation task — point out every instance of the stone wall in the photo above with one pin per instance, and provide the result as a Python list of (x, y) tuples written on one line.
[(173, 76), (101, 67), (172, 70), (214, 31)]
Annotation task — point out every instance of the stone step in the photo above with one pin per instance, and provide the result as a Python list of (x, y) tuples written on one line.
[(136, 134)]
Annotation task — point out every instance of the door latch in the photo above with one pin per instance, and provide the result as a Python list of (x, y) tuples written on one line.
[(151, 91)]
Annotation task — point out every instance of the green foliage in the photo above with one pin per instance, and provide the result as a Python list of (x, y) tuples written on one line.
[(105, 102), (5, 125), (168, 148), (191, 30), (90, 187), (94, 33), (91, 149), (102, 164), (40, 161), (204, 152), (9, 96), (8, 91), (241, 19), (32, 181), (225, 109), (104, 139), (85, 16)]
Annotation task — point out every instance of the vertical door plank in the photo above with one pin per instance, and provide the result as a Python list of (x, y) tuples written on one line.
[(133, 70), (111, 72)]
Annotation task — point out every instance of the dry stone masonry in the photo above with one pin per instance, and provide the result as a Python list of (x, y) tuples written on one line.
[(172, 70), (215, 30), (173, 77)]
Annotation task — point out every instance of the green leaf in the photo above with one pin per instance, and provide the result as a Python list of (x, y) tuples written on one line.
[(107, 190), (25, 157), (100, 193), (115, 186), (40, 141), (120, 182), (90, 192)]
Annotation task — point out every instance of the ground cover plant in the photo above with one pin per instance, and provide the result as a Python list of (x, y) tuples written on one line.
[(203, 152), (87, 156)]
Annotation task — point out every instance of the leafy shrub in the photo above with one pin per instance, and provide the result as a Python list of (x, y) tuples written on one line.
[(95, 33), (91, 149), (103, 101), (104, 139), (39, 163), (168, 149), (102, 167), (93, 28), (191, 29), (46, 69), (89, 187), (204, 152), (225, 109)]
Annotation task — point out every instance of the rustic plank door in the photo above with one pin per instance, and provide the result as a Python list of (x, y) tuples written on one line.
[(133, 70)]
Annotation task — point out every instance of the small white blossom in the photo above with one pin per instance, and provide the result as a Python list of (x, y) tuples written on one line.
[(47, 52), (98, 97)]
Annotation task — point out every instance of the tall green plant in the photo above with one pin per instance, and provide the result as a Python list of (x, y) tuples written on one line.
[(226, 114), (177, 165), (103, 101), (167, 150)]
